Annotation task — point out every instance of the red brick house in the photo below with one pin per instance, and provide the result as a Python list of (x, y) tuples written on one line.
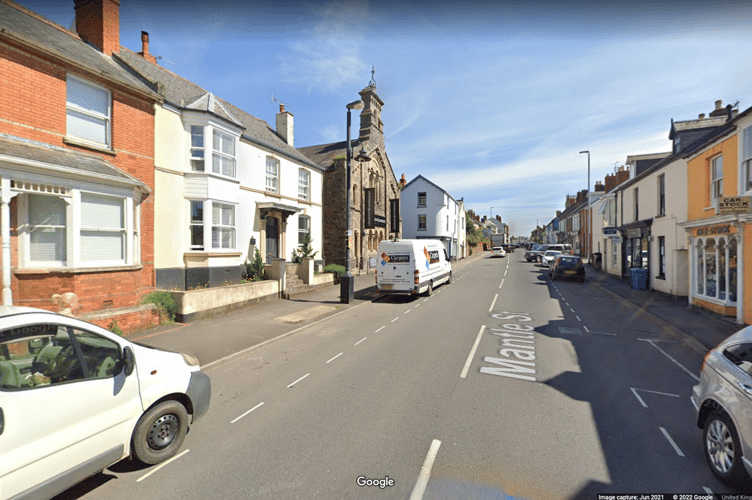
[(76, 167)]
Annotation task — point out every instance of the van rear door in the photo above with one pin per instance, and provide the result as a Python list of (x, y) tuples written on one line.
[(395, 268)]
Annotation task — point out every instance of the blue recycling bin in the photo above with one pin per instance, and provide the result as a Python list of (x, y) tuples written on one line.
[(639, 278)]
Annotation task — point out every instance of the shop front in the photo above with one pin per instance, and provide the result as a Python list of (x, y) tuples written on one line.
[(716, 265), (635, 242)]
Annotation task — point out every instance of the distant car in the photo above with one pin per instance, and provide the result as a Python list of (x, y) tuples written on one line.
[(723, 400), (548, 258), (77, 398), (498, 252), (567, 267)]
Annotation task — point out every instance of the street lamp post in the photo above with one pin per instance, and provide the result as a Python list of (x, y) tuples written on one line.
[(347, 281), (589, 222)]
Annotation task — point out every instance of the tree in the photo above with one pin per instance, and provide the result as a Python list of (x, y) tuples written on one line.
[(305, 251), (474, 235)]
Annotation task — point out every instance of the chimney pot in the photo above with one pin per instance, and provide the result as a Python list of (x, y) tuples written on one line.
[(702, 115), (719, 104), (281, 108)]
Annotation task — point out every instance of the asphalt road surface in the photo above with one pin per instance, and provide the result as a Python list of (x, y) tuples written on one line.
[(502, 384)]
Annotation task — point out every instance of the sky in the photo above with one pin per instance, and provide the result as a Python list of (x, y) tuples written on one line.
[(492, 101)]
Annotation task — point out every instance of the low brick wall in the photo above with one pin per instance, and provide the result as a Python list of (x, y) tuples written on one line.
[(128, 319), (197, 304)]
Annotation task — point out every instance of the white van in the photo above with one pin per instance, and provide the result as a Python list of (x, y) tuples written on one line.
[(76, 398), (412, 266)]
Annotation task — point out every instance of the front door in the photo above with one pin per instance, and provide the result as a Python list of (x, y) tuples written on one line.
[(272, 239)]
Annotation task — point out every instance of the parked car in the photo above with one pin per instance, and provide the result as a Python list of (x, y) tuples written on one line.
[(532, 254), (548, 258), (723, 400), (76, 398), (567, 267), (498, 252)]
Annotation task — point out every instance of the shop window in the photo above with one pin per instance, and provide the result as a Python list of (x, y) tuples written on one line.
[(721, 270), (700, 269), (710, 269), (732, 267)]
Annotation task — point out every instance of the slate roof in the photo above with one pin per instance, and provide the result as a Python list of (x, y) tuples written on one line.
[(184, 94), (31, 29), (87, 164), (324, 154)]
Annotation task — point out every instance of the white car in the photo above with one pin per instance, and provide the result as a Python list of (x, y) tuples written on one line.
[(498, 252), (550, 257), (76, 398)]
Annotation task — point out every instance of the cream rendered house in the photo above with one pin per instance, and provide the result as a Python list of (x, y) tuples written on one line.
[(226, 184)]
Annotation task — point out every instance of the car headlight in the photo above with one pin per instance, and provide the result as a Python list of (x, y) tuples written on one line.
[(190, 359)]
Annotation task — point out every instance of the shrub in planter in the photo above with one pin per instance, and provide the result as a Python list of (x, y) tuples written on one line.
[(334, 268), (254, 269), (166, 305)]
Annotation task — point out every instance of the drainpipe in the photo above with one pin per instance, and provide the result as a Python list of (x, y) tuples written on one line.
[(5, 197)]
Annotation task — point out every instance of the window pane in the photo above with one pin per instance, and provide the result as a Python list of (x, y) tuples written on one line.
[(741, 356), (197, 211), (197, 236), (710, 269), (47, 245), (87, 97), (721, 270), (102, 246), (102, 212), (197, 136), (732, 271), (46, 211), (700, 267), (86, 127), (228, 145), (101, 355)]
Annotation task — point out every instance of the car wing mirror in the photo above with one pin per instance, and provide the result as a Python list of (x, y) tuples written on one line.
[(128, 360)]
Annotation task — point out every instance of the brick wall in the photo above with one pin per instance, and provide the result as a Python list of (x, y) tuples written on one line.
[(33, 106)]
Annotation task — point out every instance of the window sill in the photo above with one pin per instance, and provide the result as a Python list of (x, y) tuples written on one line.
[(75, 270), (709, 208), (661, 277), (101, 148), (715, 300), (200, 253), (214, 175), (303, 200), (273, 194), (659, 216)]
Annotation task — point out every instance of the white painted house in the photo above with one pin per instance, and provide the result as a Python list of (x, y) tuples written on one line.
[(430, 212), (226, 184)]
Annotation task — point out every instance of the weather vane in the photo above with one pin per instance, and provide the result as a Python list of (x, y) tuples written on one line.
[(372, 83)]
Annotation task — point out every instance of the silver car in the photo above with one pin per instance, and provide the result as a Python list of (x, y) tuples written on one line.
[(550, 257), (723, 400)]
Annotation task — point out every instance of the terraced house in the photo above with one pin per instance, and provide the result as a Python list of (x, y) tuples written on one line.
[(76, 167)]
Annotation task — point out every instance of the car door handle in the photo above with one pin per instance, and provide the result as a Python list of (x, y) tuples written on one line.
[(745, 388)]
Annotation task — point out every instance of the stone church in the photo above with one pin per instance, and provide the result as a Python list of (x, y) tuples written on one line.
[(374, 195)]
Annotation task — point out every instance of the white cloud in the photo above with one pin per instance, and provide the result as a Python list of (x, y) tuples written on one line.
[(330, 133)]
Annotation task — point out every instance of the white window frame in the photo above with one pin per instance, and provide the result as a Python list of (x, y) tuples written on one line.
[(272, 174), (105, 118), (422, 220), (746, 158), (197, 223), (220, 228), (721, 242), (304, 184), (122, 231), (65, 226), (197, 159), (716, 178), (221, 156), (302, 231), (422, 199)]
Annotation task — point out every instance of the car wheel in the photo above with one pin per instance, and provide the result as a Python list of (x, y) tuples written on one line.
[(430, 289), (722, 448), (160, 432)]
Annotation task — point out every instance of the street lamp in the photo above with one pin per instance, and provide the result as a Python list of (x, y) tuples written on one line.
[(589, 222), (347, 281)]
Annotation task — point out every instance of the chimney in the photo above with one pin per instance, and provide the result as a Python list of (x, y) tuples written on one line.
[(701, 116), (719, 110), (599, 187), (98, 22), (498, 218), (403, 181), (285, 125), (145, 48), (558, 213)]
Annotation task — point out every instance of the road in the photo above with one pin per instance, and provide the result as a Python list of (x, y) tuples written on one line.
[(501, 384)]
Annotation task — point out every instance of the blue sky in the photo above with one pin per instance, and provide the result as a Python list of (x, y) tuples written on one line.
[(491, 102)]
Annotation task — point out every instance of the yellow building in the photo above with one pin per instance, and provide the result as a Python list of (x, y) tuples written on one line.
[(719, 229)]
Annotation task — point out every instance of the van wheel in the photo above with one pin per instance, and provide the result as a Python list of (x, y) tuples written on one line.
[(430, 289), (160, 432)]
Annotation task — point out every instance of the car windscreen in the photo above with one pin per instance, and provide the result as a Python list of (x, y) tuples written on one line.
[(569, 263)]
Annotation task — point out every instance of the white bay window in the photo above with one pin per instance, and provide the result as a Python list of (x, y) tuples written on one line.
[(223, 155), (102, 228), (47, 230), (223, 226)]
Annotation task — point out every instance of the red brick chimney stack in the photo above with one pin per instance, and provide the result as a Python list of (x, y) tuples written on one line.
[(98, 22), (403, 181), (145, 48)]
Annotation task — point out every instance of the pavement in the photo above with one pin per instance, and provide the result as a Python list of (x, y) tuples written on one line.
[(219, 339)]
